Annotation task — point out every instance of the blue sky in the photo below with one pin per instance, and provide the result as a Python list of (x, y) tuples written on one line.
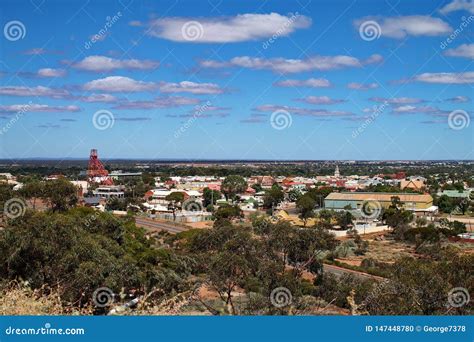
[(237, 79)]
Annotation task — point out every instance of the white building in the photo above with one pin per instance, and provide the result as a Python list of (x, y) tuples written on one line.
[(109, 191)]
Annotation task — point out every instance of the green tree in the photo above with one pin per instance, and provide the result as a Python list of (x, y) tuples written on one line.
[(306, 248), (305, 206), (233, 185), (210, 197), (6, 192), (148, 178), (33, 190), (80, 250), (421, 287), (273, 197), (257, 187), (319, 194), (61, 194), (395, 216), (446, 204), (115, 203), (461, 205), (175, 197), (294, 195), (228, 212), (326, 215), (344, 219)]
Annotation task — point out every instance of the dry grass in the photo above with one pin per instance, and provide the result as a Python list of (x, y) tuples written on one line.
[(19, 299), (387, 251)]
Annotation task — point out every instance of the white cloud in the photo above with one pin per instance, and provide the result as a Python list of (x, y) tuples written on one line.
[(411, 25), (190, 87), (106, 98), (135, 23), (103, 63), (362, 86), (39, 91), (283, 65), (115, 84), (158, 103), (458, 99), (240, 28), (410, 109), (310, 83), (320, 100), (48, 72), (458, 5), (446, 77), (397, 100), (303, 111), (465, 50), (37, 108)]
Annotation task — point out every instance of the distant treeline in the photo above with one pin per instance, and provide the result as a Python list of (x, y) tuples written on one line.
[(75, 169)]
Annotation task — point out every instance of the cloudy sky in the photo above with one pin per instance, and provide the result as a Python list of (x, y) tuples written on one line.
[(301, 79)]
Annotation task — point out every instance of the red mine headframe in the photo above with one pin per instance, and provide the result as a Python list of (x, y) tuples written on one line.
[(97, 172)]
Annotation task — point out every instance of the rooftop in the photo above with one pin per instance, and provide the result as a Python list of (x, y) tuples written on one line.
[(379, 196)]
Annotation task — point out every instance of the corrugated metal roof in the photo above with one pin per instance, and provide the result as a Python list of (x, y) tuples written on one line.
[(378, 196)]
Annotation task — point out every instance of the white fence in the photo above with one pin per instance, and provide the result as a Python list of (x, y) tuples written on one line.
[(362, 229)]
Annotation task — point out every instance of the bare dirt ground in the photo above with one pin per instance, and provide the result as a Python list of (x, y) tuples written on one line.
[(384, 250), (389, 250), (200, 225)]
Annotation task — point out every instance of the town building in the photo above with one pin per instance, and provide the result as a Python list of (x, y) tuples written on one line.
[(414, 183), (465, 194), (116, 175), (109, 191), (355, 200)]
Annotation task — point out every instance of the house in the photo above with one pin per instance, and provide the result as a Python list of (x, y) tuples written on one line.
[(124, 175), (464, 194), (355, 200), (109, 191), (414, 183), (83, 187), (159, 195)]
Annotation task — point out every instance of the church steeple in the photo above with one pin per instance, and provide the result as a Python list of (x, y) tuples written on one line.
[(336, 172)]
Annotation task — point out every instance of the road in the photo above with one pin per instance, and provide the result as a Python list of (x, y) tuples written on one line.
[(339, 271), (154, 226)]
